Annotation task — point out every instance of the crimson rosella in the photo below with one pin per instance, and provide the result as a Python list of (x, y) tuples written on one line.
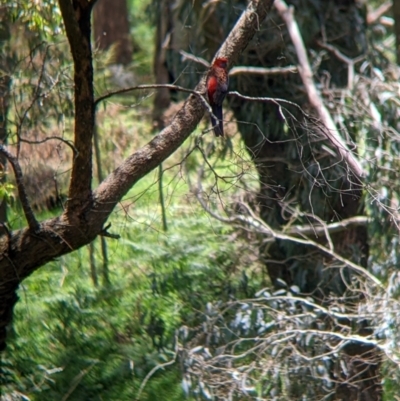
[(217, 88)]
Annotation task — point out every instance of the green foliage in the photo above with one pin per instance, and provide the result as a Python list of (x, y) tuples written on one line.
[(100, 343), (72, 340), (42, 18), (6, 192)]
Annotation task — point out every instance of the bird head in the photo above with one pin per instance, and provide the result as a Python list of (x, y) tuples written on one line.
[(221, 62)]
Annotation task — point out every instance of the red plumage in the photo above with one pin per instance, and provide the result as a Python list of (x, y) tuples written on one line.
[(217, 88)]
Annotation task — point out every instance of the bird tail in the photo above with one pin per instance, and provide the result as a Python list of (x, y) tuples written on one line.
[(217, 123)]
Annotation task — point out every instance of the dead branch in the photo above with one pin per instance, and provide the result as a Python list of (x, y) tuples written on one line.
[(347, 60), (285, 322), (290, 69), (200, 96), (374, 15), (329, 127), (332, 228), (156, 368), (196, 59), (256, 222), (259, 226)]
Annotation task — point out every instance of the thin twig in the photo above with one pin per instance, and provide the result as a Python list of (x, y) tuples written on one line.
[(154, 370), (347, 60), (156, 86), (49, 138), (104, 233), (274, 100), (196, 59), (77, 379), (161, 197), (261, 227), (140, 87)]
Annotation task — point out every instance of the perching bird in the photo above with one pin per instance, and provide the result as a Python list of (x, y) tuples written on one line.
[(217, 88)]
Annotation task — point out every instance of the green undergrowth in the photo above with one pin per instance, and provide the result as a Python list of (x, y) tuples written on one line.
[(74, 340)]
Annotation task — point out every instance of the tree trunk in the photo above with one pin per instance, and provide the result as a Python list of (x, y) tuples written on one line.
[(112, 28), (162, 98), (5, 83), (297, 174)]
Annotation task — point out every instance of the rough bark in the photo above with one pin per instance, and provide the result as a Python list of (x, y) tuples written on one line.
[(76, 16), (23, 251)]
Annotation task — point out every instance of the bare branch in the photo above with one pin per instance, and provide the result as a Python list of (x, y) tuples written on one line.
[(155, 369), (329, 127), (196, 59), (350, 62), (374, 15), (332, 228), (262, 227), (158, 86), (242, 69), (290, 69), (77, 379), (30, 217), (50, 138), (139, 87), (254, 221)]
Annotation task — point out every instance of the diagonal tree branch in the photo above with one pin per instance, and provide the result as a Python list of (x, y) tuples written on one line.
[(24, 251), (169, 139)]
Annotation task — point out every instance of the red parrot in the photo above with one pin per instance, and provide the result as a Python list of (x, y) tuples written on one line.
[(217, 88)]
